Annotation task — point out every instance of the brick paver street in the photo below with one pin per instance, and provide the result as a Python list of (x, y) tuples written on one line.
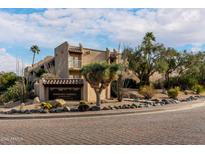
[(178, 127)]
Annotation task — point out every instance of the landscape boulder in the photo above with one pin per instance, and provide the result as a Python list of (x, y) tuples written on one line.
[(36, 100), (94, 108), (60, 102), (105, 108), (66, 109), (133, 96), (59, 109)]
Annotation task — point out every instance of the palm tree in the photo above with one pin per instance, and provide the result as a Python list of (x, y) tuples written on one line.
[(35, 49)]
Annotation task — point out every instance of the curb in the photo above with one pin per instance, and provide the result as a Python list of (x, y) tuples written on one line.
[(35, 116), (161, 109)]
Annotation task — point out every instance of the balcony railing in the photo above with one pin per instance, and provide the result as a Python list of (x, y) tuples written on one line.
[(74, 64)]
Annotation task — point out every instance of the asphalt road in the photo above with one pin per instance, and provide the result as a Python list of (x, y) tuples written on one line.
[(177, 127)]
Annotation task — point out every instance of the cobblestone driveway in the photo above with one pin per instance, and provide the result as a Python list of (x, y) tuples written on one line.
[(179, 127)]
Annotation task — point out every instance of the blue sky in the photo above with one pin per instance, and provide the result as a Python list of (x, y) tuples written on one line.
[(95, 28)]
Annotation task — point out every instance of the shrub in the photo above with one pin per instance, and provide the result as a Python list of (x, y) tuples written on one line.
[(159, 84), (114, 88), (14, 93), (46, 105), (2, 99), (40, 72), (188, 82), (83, 106), (173, 82), (173, 92), (7, 80), (147, 91), (198, 88)]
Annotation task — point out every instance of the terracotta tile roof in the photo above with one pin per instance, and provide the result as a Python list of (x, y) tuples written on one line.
[(62, 81)]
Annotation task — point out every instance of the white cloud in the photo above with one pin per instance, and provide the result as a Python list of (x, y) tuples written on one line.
[(174, 27), (8, 62)]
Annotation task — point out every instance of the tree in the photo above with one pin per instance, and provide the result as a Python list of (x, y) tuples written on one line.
[(35, 49), (145, 59), (192, 71), (99, 76), (170, 60), (7, 80)]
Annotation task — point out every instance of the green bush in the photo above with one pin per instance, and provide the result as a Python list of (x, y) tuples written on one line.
[(198, 89), (147, 91), (173, 92), (40, 72), (7, 80), (83, 106), (187, 82), (46, 105), (173, 82), (13, 93)]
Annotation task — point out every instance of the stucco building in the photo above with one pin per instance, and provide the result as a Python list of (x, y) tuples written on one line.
[(66, 81)]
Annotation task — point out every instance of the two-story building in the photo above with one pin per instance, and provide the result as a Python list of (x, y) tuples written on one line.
[(65, 66)]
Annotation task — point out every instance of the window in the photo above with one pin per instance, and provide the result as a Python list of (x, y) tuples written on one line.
[(74, 62)]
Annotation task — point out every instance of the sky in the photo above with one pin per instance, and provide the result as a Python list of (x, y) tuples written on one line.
[(182, 29)]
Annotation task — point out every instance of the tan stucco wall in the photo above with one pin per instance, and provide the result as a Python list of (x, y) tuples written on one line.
[(61, 60), (90, 93), (93, 56)]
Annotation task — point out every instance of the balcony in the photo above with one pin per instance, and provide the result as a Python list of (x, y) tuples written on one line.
[(75, 64)]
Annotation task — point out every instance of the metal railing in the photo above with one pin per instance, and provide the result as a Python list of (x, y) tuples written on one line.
[(74, 64)]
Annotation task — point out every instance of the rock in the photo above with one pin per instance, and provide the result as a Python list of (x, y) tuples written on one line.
[(133, 96), (36, 100), (156, 100), (66, 109), (14, 111), (139, 106), (116, 107), (105, 108), (191, 98), (41, 111), (34, 111), (59, 109), (177, 101), (157, 104), (27, 112), (149, 102), (124, 106), (74, 110), (166, 101), (133, 105), (110, 107), (95, 108), (53, 110), (83, 106), (45, 111), (60, 102)]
